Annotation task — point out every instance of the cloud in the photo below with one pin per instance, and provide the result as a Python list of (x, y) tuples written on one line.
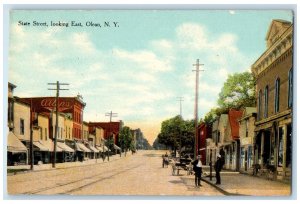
[(231, 12), (139, 84), (145, 59)]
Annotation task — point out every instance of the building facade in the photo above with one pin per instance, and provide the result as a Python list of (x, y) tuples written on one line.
[(204, 132), (273, 72), (246, 132)]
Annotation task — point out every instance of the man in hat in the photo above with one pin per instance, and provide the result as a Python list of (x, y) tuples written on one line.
[(197, 167), (218, 168)]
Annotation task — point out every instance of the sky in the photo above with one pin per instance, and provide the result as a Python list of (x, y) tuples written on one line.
[(139, 67)]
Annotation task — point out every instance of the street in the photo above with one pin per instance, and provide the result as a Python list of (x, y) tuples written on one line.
[(138, 174)]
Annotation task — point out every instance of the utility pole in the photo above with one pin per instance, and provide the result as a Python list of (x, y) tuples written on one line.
[(196, 105), (110, 114), (56, 120), (180, 99), (31, 138), (180, 133)]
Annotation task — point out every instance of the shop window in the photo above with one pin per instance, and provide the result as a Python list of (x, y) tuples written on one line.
[(288, 146), (290, 87), (22, 126), (277, 95), (280, 147)]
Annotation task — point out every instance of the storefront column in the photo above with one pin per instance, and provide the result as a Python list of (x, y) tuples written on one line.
[(284, 129), (262, 148)]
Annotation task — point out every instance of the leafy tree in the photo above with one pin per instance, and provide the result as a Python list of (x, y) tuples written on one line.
[(176, 133), (238, 91), (125, 138)]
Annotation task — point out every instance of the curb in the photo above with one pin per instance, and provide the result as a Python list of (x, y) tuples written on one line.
[(216, 187), (58, 168)]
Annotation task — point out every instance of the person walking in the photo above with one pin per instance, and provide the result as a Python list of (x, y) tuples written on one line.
[(218, 168), (197, 167)]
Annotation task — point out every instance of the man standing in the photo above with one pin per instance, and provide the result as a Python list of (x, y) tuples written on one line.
[(218, 168), (197, 167)]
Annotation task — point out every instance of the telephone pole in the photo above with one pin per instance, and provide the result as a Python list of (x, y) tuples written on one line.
[(180, 99), (110, 114), (196, 105), (180, 133), (56, 119)]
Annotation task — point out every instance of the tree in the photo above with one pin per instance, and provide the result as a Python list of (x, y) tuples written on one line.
[(238, 91), (125, 138), (177, 133)]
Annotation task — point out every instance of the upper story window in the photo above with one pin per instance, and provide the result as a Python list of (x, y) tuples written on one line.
[(247, 127), (41, 133), (259, 105), (46, 133), (266, 102), (22, 126), (277, 94), (290, 87)]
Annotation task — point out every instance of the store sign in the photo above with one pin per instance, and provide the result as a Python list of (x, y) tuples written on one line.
[(50, 104)]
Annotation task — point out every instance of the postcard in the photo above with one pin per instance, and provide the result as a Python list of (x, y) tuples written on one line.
[(150, 102)]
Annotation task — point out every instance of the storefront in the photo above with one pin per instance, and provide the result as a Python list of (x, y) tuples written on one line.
[(16, 151)]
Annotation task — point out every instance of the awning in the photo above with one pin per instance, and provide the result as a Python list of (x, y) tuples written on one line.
[(81, 147), (99, 148), (14, 144), (65, 147), (116, 147), (93, 149), (264, 126), (50, 145), (41, 147)]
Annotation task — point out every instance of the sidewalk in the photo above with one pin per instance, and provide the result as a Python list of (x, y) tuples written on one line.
[(43, 167), (236, 184)]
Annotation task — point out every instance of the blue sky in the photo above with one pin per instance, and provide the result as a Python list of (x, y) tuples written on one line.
[(139, 68)]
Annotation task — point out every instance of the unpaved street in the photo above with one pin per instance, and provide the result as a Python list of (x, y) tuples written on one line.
[(138, 174)]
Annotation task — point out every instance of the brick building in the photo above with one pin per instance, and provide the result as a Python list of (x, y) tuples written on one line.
[(204, 132)]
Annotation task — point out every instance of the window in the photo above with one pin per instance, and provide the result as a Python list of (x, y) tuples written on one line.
[(259, 105), (41, 133), (21, 126), (247, 126), (46, 134), (277, 94), (61, 132), (266, 101), (290, 91)]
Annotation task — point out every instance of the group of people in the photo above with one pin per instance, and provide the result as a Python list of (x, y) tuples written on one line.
[(197, 168)]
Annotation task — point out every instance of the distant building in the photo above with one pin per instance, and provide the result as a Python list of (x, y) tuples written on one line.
[(246, 132), (273, 72), (204, 132), (232, 147)]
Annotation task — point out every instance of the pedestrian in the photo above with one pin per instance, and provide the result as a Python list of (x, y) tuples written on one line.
[(218, 168), (163, 161), (197, 167)]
